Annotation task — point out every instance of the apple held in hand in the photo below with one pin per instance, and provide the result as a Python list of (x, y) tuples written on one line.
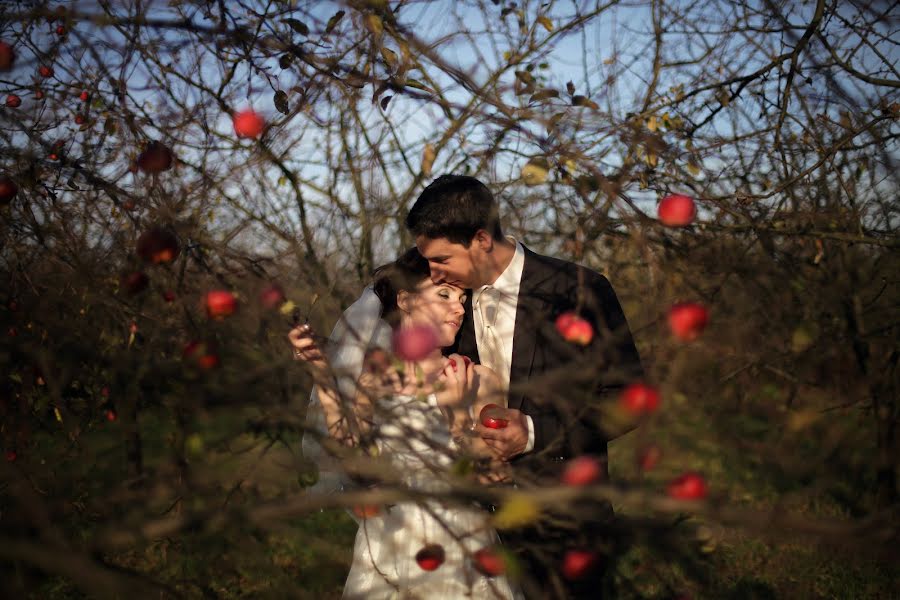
[(248, 124), (687, 320), (689, 486), (430, 557), (639, 399), (577, 563), (158, 245), (414, 343), (677, 210), (220, 304), (489, 562), (8, 189), (574, 329), (582, 470), (490, 417)]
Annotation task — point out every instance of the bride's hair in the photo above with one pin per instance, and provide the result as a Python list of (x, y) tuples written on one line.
[(405, 273)]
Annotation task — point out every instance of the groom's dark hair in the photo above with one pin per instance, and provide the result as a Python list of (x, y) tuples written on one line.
[(455, 207)]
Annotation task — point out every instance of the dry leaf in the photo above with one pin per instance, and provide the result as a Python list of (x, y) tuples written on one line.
[(428, 156), (535, 171)]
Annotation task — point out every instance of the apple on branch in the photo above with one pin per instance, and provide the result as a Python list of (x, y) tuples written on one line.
[(430, 557), (220, 304), (8, 189), (687, 320), (582, 470), (13, 101), (574, 328), (7, 56), (677, 210), (248, 124), (158, 245)]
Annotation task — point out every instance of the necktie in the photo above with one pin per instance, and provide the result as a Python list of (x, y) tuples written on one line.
[(492, 353)]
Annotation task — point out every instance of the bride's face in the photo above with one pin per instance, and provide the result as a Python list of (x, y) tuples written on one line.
[(439, 306)]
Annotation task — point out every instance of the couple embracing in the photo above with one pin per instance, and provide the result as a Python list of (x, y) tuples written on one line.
[(492, 304)]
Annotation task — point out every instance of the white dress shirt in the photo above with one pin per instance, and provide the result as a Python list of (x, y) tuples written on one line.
[(506, 287)]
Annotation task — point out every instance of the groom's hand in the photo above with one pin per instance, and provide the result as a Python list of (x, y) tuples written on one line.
[(510, 441)]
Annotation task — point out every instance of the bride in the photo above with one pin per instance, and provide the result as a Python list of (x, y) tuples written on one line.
[(416, 414)]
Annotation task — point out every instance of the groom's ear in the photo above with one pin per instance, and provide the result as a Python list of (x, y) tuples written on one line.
[(483, 240)]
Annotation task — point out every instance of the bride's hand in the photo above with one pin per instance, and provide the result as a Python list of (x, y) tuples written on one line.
[(305, 348), (457, 381)]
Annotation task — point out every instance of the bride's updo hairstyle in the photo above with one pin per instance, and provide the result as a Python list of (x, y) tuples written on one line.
[(405, 273)]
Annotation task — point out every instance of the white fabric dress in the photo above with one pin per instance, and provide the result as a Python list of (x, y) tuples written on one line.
[(415, 437)]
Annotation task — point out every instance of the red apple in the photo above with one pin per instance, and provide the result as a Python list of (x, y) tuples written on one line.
[(687, 320), (272, 296), (80, 119), (84, 96), (220, 304), (7, 56), (111, 415), (60, 30), (582, 470), (248, 124), (45, 71), (169, 296), (415, 342), (677, 210), (490, 419), (8, 189), (13, 101), (689, 486), (574, 329), (648, 457), (155, 158), (134, 282), (200, 354), (158, 245), (489, 562), (639, 399), (430, 557), (577, 563), (366, 511), (53, 156), (11, 456)]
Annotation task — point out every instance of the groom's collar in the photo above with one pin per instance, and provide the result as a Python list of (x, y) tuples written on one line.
[(509, 280)]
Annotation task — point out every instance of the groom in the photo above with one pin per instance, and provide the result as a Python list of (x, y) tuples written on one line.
[(556, 389)]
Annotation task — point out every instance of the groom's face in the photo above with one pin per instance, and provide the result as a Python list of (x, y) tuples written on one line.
[(450, 262)]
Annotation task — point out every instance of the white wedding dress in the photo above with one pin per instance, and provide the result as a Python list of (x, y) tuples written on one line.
[(413, 435)]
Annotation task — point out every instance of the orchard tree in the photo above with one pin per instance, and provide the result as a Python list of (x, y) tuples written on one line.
[(181, 180)]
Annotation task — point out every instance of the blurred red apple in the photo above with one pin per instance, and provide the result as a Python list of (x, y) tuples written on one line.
[(582, 470), (639, 398), (155, 158), (574, 329), (158, 245), (53, 156), (689, 486), (7, 56), (366, 511), (134, 282), (169, 296), (415, 342), (677, 210), (648, 457), (272, 296), (489, 417), (13, 101), (489, 562), (687, 320), (80, 119), (111, 415), (45, 71), (219, 304), (430, 557), (60, 30), (577, 563), (84, 96), (11, 456), (248, 124), (8, 189), (200, 354)]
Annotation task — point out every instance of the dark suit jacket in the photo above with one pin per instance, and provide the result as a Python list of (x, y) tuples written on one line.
[(563, 387)]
